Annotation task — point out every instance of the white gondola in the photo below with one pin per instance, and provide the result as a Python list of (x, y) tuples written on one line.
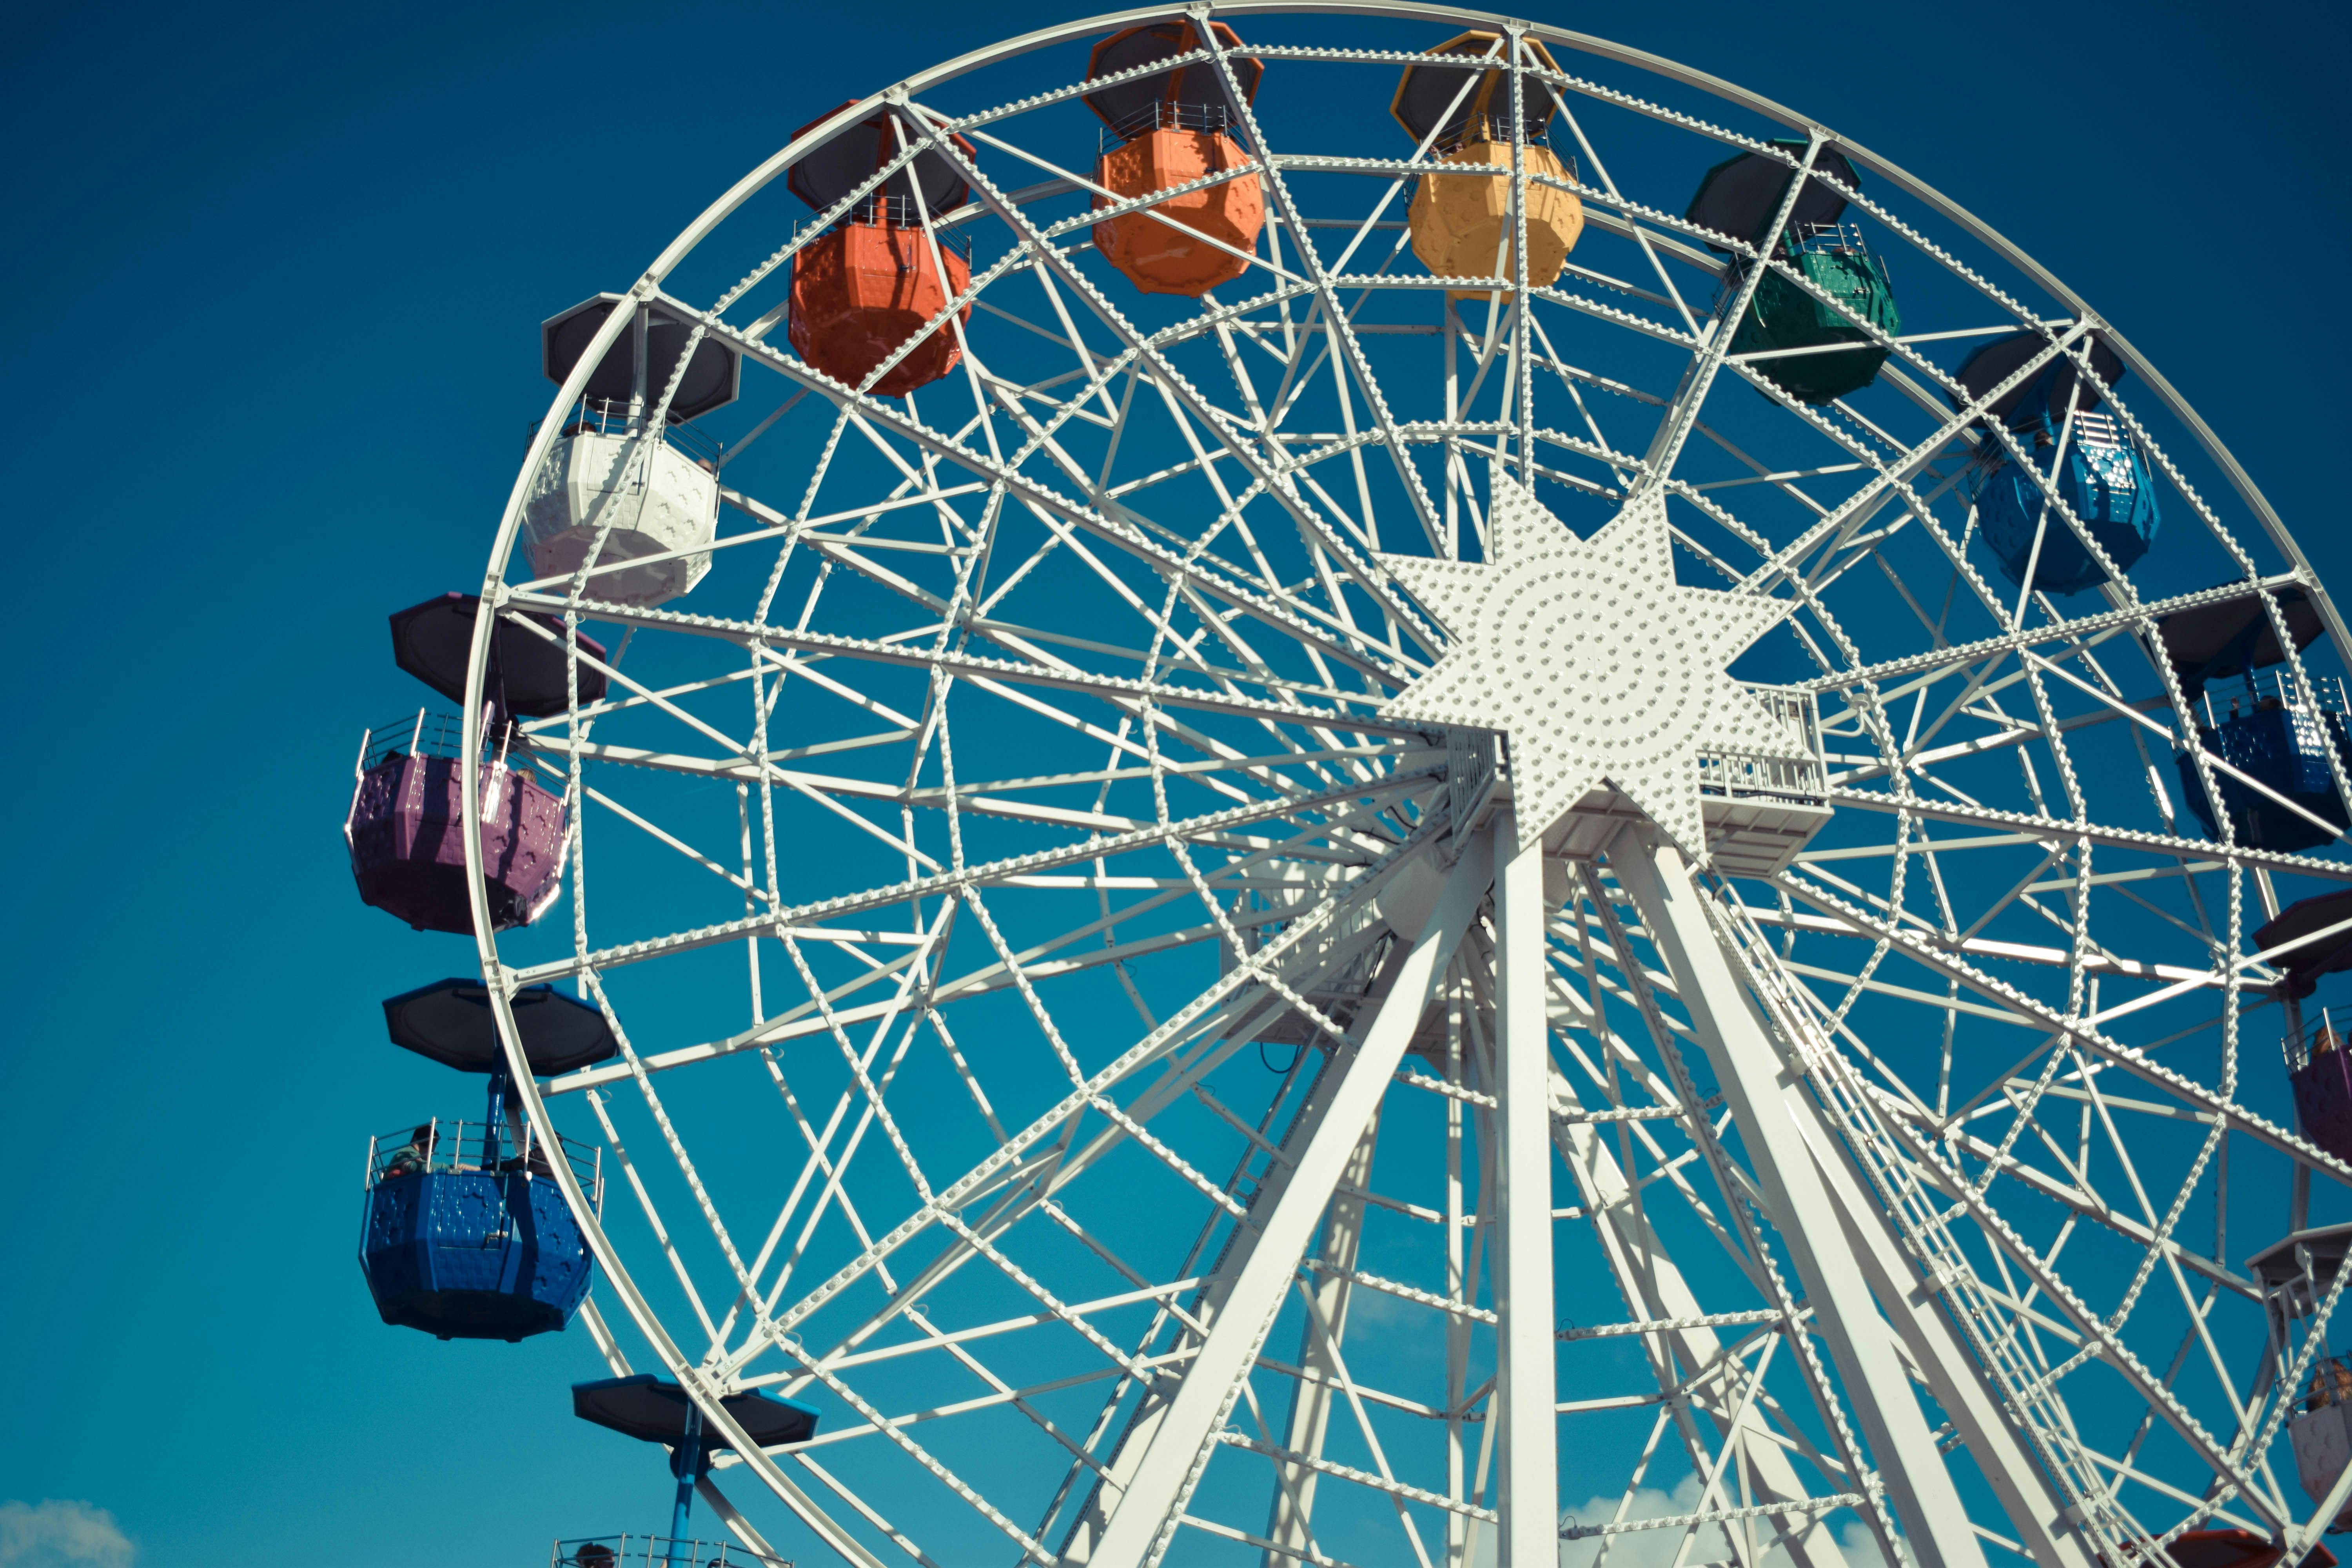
[(652, 501), (627, 465)]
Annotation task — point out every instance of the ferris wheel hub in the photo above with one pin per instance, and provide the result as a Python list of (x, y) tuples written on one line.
[(1595, 662)]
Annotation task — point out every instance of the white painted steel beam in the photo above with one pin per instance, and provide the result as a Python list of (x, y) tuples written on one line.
[(1310, 1401), (1404, 897), (1651, 1280), (1909, 1275), (1808, 1221), (1085, 1536), (1144, 1519), (1526, 1378), (1942, 1358)]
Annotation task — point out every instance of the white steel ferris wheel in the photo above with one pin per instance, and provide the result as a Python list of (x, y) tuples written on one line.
[(1366, 785)]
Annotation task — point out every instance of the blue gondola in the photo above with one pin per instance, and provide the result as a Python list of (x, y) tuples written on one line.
[(466, 1234), (2283, 743), (2105, 484), (655, 1410), (2099, 474), (467, 1254), (2266, 732)]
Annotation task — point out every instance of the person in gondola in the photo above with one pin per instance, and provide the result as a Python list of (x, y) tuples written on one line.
[(529, 1156), (2331, 1384), (594, 1554), (414, 1156)]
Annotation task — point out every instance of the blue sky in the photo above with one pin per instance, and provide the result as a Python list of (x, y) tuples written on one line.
[(274, 293)]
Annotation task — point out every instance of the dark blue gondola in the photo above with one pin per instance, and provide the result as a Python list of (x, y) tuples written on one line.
[(466, 1234), (2088, 462), (655, 1410), (2284, 745), (467, 1254), (2266, 732)]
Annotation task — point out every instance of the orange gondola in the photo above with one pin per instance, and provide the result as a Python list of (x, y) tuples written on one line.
[(1174, 129), (1462, 225), (878, 277)]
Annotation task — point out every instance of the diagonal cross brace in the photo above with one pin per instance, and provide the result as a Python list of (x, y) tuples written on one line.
[(1926, 1500), (1146, 1516)]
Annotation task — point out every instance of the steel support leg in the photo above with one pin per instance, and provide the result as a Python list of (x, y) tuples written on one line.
[(1942, 1361), (1404, 903), (1144, 1519), (1524, 1380), (1648, 1276), (1754, 1081), (1931, 1343), (1086, 1533), (1310, 1402)]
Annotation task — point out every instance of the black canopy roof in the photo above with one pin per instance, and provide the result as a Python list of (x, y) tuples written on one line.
[(653, 1409), (450, 1022), (2237, 1548), (2207, 642), (1199, 83), (2306, 964), (1424, 93), (430, 641), (824, 176), (2277, 1264), (712, 376), (1740, 196), (1994, 362)]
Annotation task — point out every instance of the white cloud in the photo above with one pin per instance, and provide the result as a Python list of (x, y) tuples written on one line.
[(56, 1534), (1861, 1546), (1643, 1548), (1658, 1548)]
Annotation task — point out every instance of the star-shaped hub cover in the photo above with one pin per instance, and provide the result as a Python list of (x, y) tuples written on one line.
[(1596, 663)]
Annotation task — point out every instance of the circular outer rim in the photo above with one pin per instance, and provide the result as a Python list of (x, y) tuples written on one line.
[(493, 590)]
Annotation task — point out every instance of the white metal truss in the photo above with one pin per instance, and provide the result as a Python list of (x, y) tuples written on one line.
[(1145, 1093)]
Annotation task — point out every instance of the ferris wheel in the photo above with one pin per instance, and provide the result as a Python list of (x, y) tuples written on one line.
[(1371, 785)]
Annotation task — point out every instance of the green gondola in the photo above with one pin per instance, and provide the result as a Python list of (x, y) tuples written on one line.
[(1740, 196)]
